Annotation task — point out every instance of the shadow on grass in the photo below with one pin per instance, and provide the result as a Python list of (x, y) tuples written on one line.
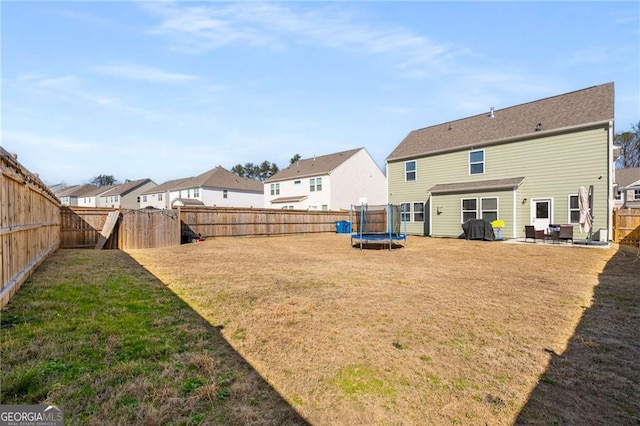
[(596, 381), (99, 335)]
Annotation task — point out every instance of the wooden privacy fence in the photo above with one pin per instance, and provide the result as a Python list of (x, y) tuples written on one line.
[(148, 229), (29, 224), (229, 221), (83, 226), (626, 226)]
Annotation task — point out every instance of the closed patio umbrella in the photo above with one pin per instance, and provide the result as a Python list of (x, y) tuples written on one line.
[(585, 212)]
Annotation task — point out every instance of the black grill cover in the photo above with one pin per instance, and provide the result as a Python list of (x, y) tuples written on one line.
[(478, 229)]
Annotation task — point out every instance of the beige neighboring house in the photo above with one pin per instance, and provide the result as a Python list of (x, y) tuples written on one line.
[(329, 182), (70, 196), (627, 192), (523, 164), (92, 199), (218, 187), (159, 197), (126, 195)]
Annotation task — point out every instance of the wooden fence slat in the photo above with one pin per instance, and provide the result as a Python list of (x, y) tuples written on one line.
[(107, 230), (29, 224)]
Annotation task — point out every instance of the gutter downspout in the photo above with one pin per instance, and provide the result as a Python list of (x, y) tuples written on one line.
[(612, 166)]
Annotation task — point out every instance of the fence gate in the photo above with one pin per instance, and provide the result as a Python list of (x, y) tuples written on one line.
[(148, 228)]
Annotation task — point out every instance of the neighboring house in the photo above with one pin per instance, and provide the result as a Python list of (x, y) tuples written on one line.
[(91, 199), (159, 196), (218, 187), (187, 202), (69, 196), (523, 164), (58, 187), (329, 182), (126, 195), (627, 192)]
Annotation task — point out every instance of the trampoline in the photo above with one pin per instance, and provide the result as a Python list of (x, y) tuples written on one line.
[(378, 226)]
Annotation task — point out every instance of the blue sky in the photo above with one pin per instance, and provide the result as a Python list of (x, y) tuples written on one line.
[(166, 90)]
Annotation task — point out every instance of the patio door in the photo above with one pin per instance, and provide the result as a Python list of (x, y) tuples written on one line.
[(541, 213)]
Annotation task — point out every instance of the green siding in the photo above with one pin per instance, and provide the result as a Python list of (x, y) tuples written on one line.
[(553, 167), (449, 221)]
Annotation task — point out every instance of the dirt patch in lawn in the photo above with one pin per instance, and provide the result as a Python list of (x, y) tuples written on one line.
[(442, 331)]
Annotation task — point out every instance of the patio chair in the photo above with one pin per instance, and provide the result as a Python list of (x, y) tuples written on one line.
[(531, 232), (566, 233)]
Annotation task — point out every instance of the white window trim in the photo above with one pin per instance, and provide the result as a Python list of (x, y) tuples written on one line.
[(415, 170), (477, 210), (414, 212), (497, 206), (569, 209), (484, 161)]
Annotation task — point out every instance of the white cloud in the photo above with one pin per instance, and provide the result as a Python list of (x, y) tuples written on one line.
[(75, 89), (25, 139), (144, 73), (199, 29)]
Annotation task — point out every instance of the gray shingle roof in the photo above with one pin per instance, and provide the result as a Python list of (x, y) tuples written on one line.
[(77, 191), (222, 178), (126, 187), (587, 106), (313, 166), (628, 176), (485, 185), (100, 190), (167, 186)]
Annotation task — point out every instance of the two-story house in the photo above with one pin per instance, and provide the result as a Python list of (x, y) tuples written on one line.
[(126, 195), (627, 187), (92, 199), (159, 197), (329, 182), (522, 164), (70, 196), (217, 187)]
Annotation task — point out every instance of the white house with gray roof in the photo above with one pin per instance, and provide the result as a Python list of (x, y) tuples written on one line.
[(627, 192), (92, 199), (328, 182), (217, 187), (159, 197), (522, 164), (70, 196), (126, 195)]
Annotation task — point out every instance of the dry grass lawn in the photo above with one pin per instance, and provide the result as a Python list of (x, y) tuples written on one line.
[(442, 331)]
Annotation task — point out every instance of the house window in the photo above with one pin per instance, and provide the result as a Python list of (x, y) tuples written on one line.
[(275, 188), (410, 171), (319, 184), (115, 198), (418, 212), (325, 207), (489, 209), (636, 194), (312, 185), (476, 162), (574, 209), (144, 198), (188, 193), (159, 197), (469, 209), (225, 193), (405, 212), (196, 192)]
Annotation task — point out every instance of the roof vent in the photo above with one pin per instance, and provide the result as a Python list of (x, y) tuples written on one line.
[(538, 127), (491, 115)]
